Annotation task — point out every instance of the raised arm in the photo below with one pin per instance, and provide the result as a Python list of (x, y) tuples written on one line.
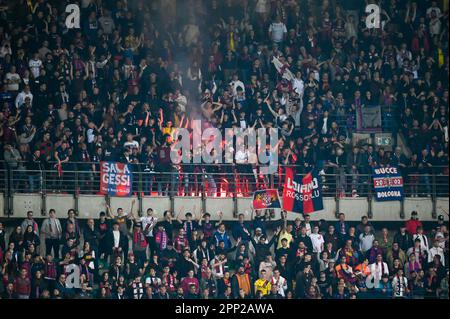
[(220, 218), (108, 211), (131, 216), (268, 103)]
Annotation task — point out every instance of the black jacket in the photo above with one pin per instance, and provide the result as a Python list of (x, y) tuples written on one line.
[(123, 241)]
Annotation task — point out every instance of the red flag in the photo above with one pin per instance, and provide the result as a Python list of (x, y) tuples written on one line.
[(288, 200)]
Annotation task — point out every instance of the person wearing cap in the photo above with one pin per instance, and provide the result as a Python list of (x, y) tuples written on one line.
[(412, 224), (438, 229)]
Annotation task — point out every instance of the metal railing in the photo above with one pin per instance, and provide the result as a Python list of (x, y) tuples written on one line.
[(206, 180)]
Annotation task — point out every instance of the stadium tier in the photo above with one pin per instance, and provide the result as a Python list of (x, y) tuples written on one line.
[(236, 149)]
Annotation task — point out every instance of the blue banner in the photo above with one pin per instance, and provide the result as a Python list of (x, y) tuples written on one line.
[(115, 179), (388, 184)]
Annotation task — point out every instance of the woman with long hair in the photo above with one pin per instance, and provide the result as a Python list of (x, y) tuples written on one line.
[(30, 238)]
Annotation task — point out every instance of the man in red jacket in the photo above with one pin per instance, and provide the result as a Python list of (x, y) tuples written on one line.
[(412, 224)]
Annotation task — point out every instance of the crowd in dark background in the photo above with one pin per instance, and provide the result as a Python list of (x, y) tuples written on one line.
[(115, 89)]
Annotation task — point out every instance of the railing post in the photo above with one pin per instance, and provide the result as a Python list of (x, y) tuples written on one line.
[(402, 209), (235, 207), (76, 189), (171, 197), (433, 196), (43, 185), (8, 193), (369, 196), (108, 200), (337, 194), (203, 197), (139, 194)]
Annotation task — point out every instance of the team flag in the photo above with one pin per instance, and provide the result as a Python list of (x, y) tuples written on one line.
[(264, 199), (388, 184), (302, 194), (115, 179)]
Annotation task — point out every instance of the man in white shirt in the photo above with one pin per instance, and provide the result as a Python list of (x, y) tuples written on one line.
[(366, 239), (298, 85), (130, 142), (26, 93), (436, 250), (35, 65), (235, 83), (307, 224), (423, 239), (434, 8), (280, 282), (12, 80), (277, 30), (148, 223), (400, 285), (317, 240)]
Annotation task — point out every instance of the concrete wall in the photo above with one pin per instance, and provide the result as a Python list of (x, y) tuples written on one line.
[(91, 205)]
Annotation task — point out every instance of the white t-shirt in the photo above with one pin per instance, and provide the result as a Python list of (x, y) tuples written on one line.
[(15, 78), (278, 30), (148, 220), (132, 144), (261, 6), (90, 135), (35, 66), (317, 242), (116, 234)]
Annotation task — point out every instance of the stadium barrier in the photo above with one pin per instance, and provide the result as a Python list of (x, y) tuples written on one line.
[(227, 189)]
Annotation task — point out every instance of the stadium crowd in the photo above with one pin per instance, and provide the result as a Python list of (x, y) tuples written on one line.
[(116, 88), (124, 256)]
